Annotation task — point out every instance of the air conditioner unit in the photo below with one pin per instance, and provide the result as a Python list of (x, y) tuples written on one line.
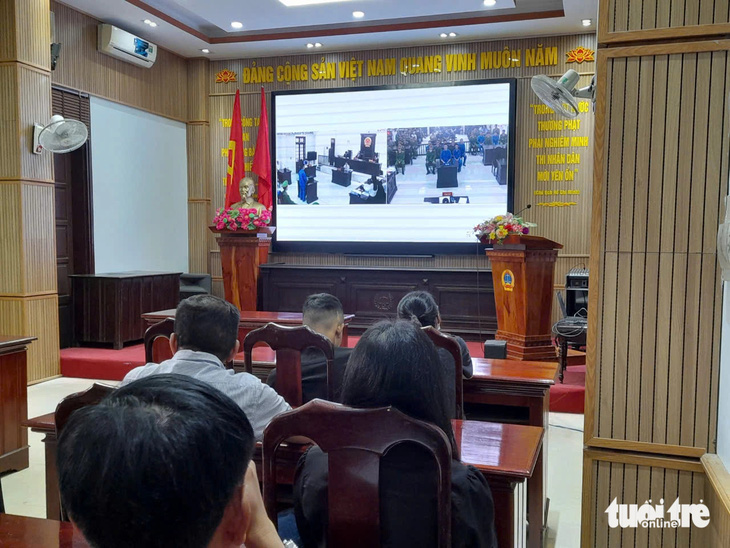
[(125, 46)]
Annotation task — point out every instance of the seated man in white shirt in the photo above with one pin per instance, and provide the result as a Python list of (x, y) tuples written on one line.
[(205, 337)]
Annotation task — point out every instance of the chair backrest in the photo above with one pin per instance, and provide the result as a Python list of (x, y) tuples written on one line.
[(154, 351), (76, 401), (162, 329), (288, 343), (355, 440), (450, 344)]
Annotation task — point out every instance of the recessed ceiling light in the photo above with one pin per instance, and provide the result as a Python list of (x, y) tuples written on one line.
[(452, 34), (587, 22), (153, 24), (358, 14), (317, 45), (310, 45), (443, 35), (205, 50), (490, 3), (150, 23), (291, 3), (236, 24)]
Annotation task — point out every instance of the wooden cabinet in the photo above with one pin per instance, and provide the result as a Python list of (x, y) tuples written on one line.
[(108, 308), (465, 297), (13, 403)]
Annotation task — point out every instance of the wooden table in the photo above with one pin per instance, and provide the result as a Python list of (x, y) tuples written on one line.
[(250, 320), (518, 383), (107, 307), (13, 402), (24, 532), (506, 454)]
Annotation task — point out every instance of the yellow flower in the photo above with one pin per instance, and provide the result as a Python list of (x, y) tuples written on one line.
[(492, 235), (502, 232), (498, 218)]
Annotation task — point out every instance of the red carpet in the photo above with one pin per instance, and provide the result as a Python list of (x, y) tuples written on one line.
[(107, 364)]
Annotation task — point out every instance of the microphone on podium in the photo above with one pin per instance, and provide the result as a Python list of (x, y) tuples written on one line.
[(528, 206)]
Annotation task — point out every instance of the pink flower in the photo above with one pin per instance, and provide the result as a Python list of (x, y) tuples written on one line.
[(233, 226), (221, 225)]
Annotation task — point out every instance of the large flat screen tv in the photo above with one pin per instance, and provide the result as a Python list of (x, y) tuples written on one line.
[(398, 170)]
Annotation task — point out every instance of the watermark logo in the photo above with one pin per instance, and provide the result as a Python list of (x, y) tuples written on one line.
[(650, 516)]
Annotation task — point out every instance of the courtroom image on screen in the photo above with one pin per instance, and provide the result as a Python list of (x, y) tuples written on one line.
[(421, 152)]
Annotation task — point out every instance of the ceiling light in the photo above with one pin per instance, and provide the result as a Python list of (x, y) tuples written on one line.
[(150, 23), (587, 22), (310, 45), (153, 24), (236, 24), (291, 3), (443, 35), (358, 14), (317, 45), (490, 3), (452, 34), (205, 50)]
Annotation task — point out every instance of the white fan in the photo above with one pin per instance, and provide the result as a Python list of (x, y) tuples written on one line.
[(60, 135), (560, 95)]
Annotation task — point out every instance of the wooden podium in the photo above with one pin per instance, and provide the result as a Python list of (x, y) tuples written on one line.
[(523, 269), (242, 252)]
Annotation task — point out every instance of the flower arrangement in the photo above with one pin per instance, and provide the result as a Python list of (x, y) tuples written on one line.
[(241, 219), (496, 229)]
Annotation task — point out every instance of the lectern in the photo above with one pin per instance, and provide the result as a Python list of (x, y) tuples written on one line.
[(523, 269), (242, 252)]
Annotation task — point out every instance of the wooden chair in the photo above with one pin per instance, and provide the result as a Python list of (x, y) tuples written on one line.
[(69, 404), (288, 343), (163, 329), (355, 440), (449, 343), (156, 353)]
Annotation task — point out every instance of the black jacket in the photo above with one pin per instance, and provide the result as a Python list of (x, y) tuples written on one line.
[(314, 373), (407, 504)]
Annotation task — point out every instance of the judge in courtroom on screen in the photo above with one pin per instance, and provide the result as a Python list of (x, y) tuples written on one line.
[(395, 364), (322, 313), (163, 461), (206, 337)]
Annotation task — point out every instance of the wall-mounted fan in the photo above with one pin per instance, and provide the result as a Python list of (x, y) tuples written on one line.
[(59, 136), (560, 95)]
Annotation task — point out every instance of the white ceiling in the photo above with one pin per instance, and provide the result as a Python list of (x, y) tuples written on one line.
[(270, 17)]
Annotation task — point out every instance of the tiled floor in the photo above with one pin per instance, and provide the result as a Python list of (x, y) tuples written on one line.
[(25, 491)]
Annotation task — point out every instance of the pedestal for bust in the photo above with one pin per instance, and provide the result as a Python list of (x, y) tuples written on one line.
[(242, 251), (523, 270)]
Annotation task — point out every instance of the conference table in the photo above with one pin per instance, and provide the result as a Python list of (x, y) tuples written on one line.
[(506, 454), (519, 384), (24, 532)]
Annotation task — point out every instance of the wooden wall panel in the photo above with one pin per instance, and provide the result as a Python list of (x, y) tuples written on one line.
[(633, 480), (655, 343), (628, 20), (33, 33), (11, 242), (8, 46), (9, 123), (199, 217), (34, 106), (37, 316), (198, 74), (717, 499), (39, 242), (198, 146), (161, 89)]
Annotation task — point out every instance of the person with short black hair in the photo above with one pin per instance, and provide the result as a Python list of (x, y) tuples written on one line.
[(421, 307), (163, 461), (395, 364), (206, 337), (323, 313)]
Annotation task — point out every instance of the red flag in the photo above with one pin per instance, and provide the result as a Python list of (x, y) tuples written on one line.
[(236, 160), (262, 159)]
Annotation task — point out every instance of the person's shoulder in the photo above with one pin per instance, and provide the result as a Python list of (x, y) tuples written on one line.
[(139, 372)]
